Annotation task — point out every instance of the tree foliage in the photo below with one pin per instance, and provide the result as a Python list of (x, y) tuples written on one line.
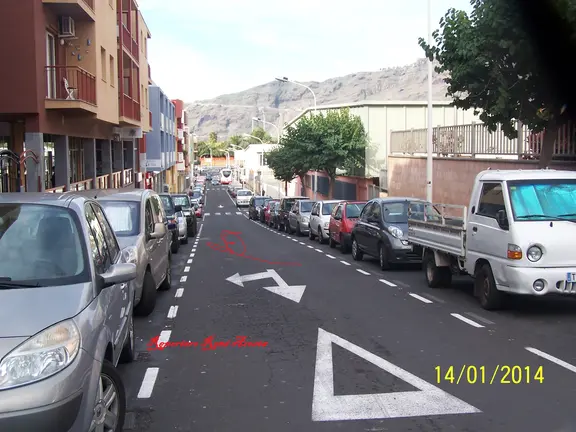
[(494, 69), (259, 133)]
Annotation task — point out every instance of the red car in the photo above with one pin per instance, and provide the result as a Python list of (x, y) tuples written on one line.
[(344, 217), (269, 204), (199, 210)]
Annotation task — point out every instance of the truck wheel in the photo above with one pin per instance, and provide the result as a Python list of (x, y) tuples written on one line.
[(485, 288), (436, 277)]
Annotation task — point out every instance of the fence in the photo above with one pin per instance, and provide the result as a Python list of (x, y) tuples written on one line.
[(476, 141)]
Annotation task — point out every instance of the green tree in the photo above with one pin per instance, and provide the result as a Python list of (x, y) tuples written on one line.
[(213, 137), (259, 133), (279, 161), (494, 69)]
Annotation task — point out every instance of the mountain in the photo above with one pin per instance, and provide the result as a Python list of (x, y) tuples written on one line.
[(232, 114)]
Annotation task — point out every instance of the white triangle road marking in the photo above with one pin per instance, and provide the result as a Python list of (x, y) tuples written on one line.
[(429, 400)]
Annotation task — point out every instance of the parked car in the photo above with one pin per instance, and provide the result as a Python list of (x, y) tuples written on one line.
[(199, 210), (265, 210), (344, 217), (382, 232), (274, 215), (182, 227), (255, 205), (170, 209), (284, 208), (196, 197), (235, 190), (184, 201), (243, 197), (134, 216), (320, 220), (215, 182), (299, 217), (66, 318)]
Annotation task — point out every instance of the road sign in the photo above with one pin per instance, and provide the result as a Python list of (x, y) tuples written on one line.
[(291, 292), (427, 401)]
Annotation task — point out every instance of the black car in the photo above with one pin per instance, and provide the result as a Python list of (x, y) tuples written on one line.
[(256, 205), (382, 232), (188, 209), (171, 209)]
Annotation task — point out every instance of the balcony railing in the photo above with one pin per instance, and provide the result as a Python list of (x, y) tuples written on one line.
[(116, 180), (59, 189), (129, 43), (103, 182), (128, 177), (81, 185), (130, 108), (71, 83)]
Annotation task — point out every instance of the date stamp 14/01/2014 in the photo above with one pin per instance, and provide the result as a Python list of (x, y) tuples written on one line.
[(209, 344), (500, 374)]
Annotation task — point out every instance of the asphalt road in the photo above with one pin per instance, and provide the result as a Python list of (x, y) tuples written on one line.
[(358, 350)]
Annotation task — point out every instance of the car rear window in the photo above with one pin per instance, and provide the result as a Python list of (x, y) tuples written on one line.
[(288, 203), (259, 201), (353, 210)]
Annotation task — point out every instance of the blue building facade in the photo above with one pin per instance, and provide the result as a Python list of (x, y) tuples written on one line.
[(161, 140)]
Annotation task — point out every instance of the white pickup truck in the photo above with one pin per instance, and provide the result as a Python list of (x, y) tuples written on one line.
[(517, 235)]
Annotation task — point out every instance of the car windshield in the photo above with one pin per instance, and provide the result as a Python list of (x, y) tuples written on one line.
[(40, 245), (181, 200), (327, 208), (124, 216), (396, 212), (168, 204), (244, 193), (543, 199), (259, 201), (353, 210), (306, 206)]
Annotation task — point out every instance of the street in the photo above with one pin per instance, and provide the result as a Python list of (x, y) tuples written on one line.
[(334, 344)]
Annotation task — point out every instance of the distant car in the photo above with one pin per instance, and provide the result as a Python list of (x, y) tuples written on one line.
[(199, 210), (256, 204), (215, 182), (184, 201), (299, 217), (196, 197), (320, 220), (170, 209), (243, 197), (342, 221), (268, 210), (284, 209)]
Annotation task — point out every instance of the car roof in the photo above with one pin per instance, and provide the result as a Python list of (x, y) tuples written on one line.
[(46, 198), (297, 197), (113, 194)]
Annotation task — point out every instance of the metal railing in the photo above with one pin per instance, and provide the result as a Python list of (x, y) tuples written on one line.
[(70, 83), (130, 108), (103, 182), (127, 177), (475, 140), (129, 43)]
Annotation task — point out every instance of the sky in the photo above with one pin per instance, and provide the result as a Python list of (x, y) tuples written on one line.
[(203, 49)]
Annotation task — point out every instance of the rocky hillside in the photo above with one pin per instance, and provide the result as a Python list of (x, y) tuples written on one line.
[(231, 114)]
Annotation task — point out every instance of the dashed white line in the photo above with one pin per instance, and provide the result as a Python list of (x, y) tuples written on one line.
[(467, 320), (319, 250), (172, 311), (192, 255), (164, 336), (206, 214), (193, 249), (422, 299), (227, 213), (345, 262), (363, 272), (189, 261), (553, 359), (294, 240), (384, 281), (217, 214), (330, 256), (301, 243), (238, 213), (179, 292), (311, 247), (183, 279), (148, 383), (186, 269)]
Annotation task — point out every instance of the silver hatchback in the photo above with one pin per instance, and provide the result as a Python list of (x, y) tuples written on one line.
[(65, 315)]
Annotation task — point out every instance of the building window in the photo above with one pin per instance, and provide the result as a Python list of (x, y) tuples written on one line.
[(112, 71), (103, 63)]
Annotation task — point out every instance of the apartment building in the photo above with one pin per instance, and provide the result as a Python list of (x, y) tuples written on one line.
[(74, 105), (161, 143), (183, 145)]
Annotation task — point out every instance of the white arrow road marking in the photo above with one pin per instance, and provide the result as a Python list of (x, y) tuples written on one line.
[(220, 206), (427, 401), (291, 292)]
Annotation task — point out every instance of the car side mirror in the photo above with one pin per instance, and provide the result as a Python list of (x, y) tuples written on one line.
[(502, 219), (118, 273), (159, 231), (177, 208)]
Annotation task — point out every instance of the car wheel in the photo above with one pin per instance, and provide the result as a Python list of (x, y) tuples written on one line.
[(110, 407), (128, 353), (344, 248), (167, 282), (184, 240), (311, 236), (357, 254), (331, 241), (321, 238), (148, 300), (485, 287), (383, 258)]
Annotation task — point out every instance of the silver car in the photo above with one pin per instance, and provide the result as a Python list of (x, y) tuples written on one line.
[(66, 317), (299, 217), (135, 216)]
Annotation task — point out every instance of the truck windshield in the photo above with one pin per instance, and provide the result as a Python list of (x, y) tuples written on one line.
[(543, 199)]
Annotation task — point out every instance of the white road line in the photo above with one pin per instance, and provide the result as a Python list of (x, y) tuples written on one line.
[(294, 240), (186, 269), (311, 247), (206, 214), (345, 262), (193, 249), (189, 261), (319, 250), (553, 359), (217, 214), (148, 383), (467, 320), (363, 272), (179, 292), (238, 213), (173, 311), (330, 256), (192, 255), (422, 299), (301, 243), (164, 336), (384, 281), (227, 213), (183, 279)]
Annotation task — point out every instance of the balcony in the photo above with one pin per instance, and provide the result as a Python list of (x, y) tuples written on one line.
[(70, 88), (129, 111), (130, 44), (79, 10)]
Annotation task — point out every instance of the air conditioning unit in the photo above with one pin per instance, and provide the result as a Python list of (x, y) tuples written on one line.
[(67, 27)]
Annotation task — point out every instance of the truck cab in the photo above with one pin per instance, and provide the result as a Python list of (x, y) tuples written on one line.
[(514, 237)]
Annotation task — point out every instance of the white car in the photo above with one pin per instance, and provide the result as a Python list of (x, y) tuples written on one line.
[(243, 197), (320, 219)]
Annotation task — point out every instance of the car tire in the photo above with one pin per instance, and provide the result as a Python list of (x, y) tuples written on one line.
[(110, 378), (184, 240), (331, 241), (311, 235), (148, 300), (383, 258), (167, 282), (485, 289), (436, 277), (357, 254), (344, 247), (321, 238), (175, 247), (128, 353)]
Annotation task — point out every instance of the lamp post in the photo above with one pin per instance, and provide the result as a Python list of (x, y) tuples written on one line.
[(252, 136), (430, 132), (285, 79), (265, 122), (227, 159)]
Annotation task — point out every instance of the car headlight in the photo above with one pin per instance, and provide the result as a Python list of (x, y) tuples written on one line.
[(534, 253), (326, 224), (129, 255), (41, 356), (396, 232), (305, 219)]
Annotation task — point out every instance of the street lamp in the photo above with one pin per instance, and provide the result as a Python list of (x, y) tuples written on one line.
[(265, 122), (430, 134), (227, 159), (252, 136)]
